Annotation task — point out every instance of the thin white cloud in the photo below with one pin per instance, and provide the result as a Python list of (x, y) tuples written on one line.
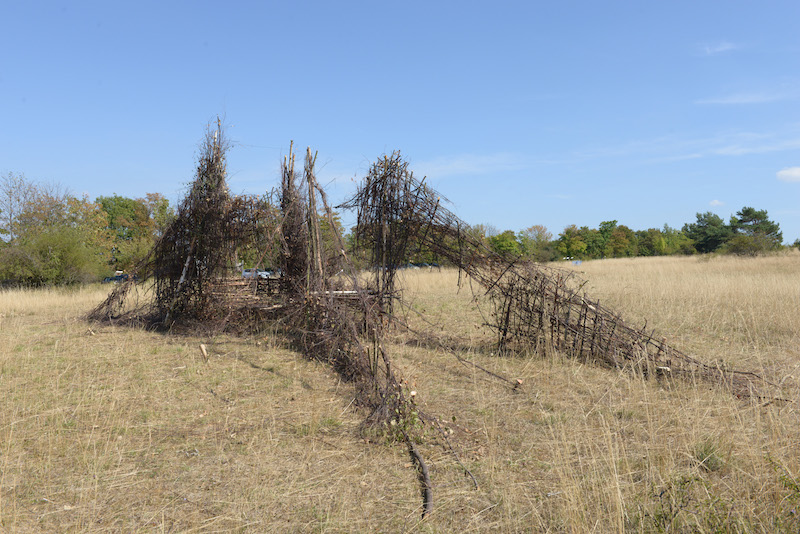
[(789, 174), (778, 91), (747, 98), (469, 164), (740, 149), (674, 148), (718, 48), (716, 202)]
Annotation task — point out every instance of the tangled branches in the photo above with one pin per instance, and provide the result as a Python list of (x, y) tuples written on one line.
[(533, 304), (199, 247)]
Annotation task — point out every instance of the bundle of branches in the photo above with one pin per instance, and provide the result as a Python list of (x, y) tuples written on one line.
[(199, 247), (336, 321), (345, 327), (294, 228), (394, 212)]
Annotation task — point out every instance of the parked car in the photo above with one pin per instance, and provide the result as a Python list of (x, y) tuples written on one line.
[(119, 277), (256, 273)]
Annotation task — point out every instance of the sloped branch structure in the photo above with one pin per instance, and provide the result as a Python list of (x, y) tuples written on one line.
[(532, 303)]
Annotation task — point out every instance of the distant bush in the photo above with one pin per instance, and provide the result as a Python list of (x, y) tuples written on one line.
[(750, 245), (55, 256)]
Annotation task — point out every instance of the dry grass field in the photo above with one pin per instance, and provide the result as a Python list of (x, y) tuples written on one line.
[(111, 429)]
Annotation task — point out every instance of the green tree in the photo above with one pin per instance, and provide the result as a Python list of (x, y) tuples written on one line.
[(594, 240), (749, 245), (674, 241), (650, 241), (128, 219), (709, 232), (754, 231), (135, 225), (621, 242), (57, 255), (160, 212), (536, 243), (58, 239), (505, 244), (570, 244)]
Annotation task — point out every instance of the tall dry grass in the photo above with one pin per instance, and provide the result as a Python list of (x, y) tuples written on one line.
[(742, 311), (110, 429)]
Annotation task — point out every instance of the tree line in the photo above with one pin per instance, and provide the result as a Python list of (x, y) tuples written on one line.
[(748, 232), (49, 236)]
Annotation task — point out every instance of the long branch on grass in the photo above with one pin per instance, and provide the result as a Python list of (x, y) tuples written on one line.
[(424, 476)]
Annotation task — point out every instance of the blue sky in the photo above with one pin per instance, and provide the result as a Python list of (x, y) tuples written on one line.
[(520, 113)]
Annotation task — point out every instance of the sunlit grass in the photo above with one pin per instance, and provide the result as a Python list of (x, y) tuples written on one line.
[(106, 428)]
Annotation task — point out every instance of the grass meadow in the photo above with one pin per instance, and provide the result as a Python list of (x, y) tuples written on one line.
[(112, 429)]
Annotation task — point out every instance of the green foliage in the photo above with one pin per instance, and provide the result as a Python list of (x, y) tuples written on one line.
[(536, 243), (127, 218), (570, 244), (50, 236), (750, 232), (160, 212), (594, 240), (709, 232), (58, 255), (750, 221), (754, 232), (56, 238), (135, 224), (650, 241), (749, 245), (606, 228), (505, 244), (674, 241), (127, 254), (405, 420), (610, 240), (621, 243)]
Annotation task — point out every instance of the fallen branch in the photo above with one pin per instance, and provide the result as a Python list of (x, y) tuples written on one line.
[(424, 477)]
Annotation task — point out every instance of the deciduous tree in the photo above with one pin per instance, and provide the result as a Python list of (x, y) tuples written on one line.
[(505, 243), (621, 243), (570, 244), (58, 239), (15, 192), (536, 243)]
